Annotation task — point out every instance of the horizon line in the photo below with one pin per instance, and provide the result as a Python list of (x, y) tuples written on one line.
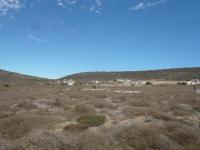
[(102, 71)]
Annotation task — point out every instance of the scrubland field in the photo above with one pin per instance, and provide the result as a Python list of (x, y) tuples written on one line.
[(55, 117)]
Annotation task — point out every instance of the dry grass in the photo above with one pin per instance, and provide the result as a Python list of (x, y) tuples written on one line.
[(6, 114), (38, 116), (159, 114), (84, 109), (102, 103), (138, 102), (132, 112), (26, 105), (197, 108), (182, 134), (14, 128), (75, 127), (142, 138)]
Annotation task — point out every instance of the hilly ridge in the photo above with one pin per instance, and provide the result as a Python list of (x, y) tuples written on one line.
[(7, 76), (163, 74)]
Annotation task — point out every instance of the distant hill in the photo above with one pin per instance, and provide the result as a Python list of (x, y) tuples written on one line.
[(6, 76), (164, 74)]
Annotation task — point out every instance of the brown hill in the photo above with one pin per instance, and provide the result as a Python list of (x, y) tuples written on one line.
[(6, 76), (163, 74)]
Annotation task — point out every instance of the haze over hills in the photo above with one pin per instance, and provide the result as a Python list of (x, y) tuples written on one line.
[(163, 74)]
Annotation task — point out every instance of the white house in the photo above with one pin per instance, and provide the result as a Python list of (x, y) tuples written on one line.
[(69, 82), (140, 83), (193, 82), (96, 82), (125, 82)]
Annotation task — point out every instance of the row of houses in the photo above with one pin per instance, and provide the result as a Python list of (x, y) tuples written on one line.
[(66, 82), (127, 82), (193, 82)]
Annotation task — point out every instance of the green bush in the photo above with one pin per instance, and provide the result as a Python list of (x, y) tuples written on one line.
[(92, 120)]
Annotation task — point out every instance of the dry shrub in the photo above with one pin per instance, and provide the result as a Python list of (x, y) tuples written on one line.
[(26, 105), (123, 98), (7, 85), (14, 128), (79, 96), (160, 115), (6, 114), (143, 138), (179, 110), (96, 141), (103, 104), (75, 127), (138, 103), (52, 141), (4, 145), (45, 141), (4, 106), (58, 102), (62, 103), (182, 134), (132, 112), (83, 109), (197, 108), (99, 95)]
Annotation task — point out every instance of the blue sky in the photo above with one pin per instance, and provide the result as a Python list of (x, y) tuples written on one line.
[(55, 38)]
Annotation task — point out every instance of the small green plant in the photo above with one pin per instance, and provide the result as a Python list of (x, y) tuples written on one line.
[(92, 120)]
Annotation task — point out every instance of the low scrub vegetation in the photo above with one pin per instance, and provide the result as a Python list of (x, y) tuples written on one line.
[(85, 109), (14, 128), (197, 108), (75, 127), (51, 117)]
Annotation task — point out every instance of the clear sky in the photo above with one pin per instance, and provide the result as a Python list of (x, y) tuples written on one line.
[(54, 38)]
